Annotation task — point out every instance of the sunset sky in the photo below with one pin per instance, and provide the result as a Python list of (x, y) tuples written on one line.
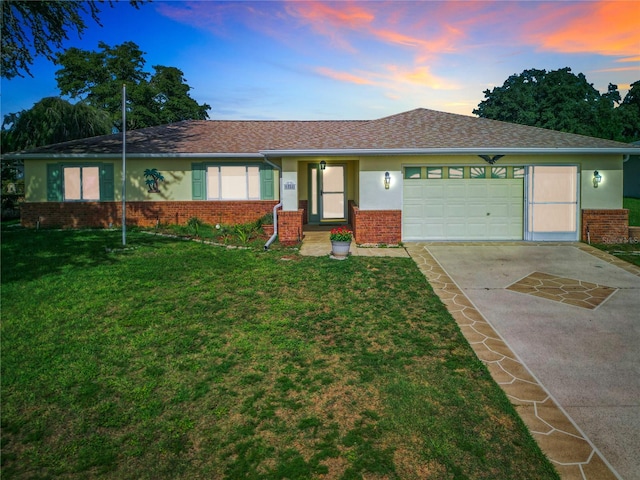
[(358, 59)]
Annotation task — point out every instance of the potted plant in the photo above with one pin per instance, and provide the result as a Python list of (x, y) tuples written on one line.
[(340, 241)]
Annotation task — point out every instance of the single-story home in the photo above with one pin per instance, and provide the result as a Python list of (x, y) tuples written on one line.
[(420, 175)]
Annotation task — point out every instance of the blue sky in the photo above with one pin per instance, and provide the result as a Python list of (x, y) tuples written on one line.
[(357, 59)]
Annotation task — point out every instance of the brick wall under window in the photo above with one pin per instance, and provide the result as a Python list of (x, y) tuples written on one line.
[(144, 214)]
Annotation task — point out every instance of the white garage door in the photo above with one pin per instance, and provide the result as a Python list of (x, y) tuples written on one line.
[(463, 209)]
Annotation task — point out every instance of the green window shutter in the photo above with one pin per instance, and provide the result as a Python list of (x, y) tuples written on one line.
[(106, 183), (198, 181), (54, 182), (266, 182)]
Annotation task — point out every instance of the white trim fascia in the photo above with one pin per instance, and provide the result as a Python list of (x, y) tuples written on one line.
[(452, 151), (631, 150)]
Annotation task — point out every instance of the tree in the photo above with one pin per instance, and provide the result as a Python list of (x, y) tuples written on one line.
[(97, 79), (52, 120), (557, 100), (629, 111), (31, 28)]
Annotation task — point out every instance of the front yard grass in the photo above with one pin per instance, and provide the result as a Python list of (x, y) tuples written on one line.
[(629, 252), (174, 359)]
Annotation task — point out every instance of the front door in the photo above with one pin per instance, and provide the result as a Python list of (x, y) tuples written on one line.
[(327, 196)]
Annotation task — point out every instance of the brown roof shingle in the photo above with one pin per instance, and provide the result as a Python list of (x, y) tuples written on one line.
[(419, 129)]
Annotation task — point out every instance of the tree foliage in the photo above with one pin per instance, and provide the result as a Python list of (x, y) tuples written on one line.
[(52, 120), (97, 78), (31, 28), (560, 100)]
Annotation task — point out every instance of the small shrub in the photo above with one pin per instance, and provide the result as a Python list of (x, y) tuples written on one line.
[(244, 231), (194, 224)]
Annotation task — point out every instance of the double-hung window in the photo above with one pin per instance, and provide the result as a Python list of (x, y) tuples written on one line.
[(81, 183), (233, 182)]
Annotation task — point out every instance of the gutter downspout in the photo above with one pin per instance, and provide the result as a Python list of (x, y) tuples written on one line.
[(275, 208)]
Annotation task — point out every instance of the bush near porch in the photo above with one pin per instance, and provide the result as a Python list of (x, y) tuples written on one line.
[(175, 359)]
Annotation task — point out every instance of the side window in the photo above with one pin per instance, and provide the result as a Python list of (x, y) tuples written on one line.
[(478, 172), (232, 182), (77, 183), (412, 172), (456, 172), (81, 183), (434, 172)]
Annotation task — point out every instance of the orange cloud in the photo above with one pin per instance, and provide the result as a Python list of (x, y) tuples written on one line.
[(420, 76), (344, 76), (393, 79), (604, 27)]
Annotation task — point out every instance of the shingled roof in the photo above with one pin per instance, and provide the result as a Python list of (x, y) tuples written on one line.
[(415, 131)]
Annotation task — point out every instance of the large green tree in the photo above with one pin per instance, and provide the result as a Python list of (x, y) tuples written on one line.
[(52, 120), (96, 77), (557, 100), (629, 111), (32, 27)]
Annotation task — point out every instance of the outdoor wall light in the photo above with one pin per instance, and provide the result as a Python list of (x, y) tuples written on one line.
[(387, 180), (597, 178), (323, 165)]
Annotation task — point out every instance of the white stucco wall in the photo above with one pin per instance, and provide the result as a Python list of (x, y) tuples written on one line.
[(373, 195)]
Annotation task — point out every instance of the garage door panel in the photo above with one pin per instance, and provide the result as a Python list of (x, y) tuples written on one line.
[(463, 209)]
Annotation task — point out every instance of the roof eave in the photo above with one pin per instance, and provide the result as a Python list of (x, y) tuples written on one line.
[(98, 156), (631, 150), (450, 151)]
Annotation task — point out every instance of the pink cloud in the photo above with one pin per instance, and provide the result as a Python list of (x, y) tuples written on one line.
[(344, 76)]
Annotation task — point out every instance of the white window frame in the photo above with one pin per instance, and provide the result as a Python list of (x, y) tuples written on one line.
[(220, 190), (82, 193)]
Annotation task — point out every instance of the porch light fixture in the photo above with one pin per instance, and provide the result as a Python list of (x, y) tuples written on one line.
[(387, 180), (597, 178), (323, 165)]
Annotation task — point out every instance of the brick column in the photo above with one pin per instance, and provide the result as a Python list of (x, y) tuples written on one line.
[(605, 226), (290, 226)]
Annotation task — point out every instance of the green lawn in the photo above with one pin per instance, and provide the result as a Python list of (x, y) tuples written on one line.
[(626, 251), (173, 359), (633, 204)]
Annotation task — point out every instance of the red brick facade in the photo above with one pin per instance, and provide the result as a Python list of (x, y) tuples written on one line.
[(145, 214), (376, 226), (605, 226), (290, 226)]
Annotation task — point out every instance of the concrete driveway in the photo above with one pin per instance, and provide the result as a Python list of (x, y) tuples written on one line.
[(558, 325)]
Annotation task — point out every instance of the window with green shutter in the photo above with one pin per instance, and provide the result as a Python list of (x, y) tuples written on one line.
[(80, 182), (228, 181)]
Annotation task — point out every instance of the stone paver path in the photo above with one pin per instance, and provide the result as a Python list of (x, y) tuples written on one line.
[(572, 454)]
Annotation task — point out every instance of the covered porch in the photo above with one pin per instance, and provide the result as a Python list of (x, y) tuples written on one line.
[(324, 192)]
